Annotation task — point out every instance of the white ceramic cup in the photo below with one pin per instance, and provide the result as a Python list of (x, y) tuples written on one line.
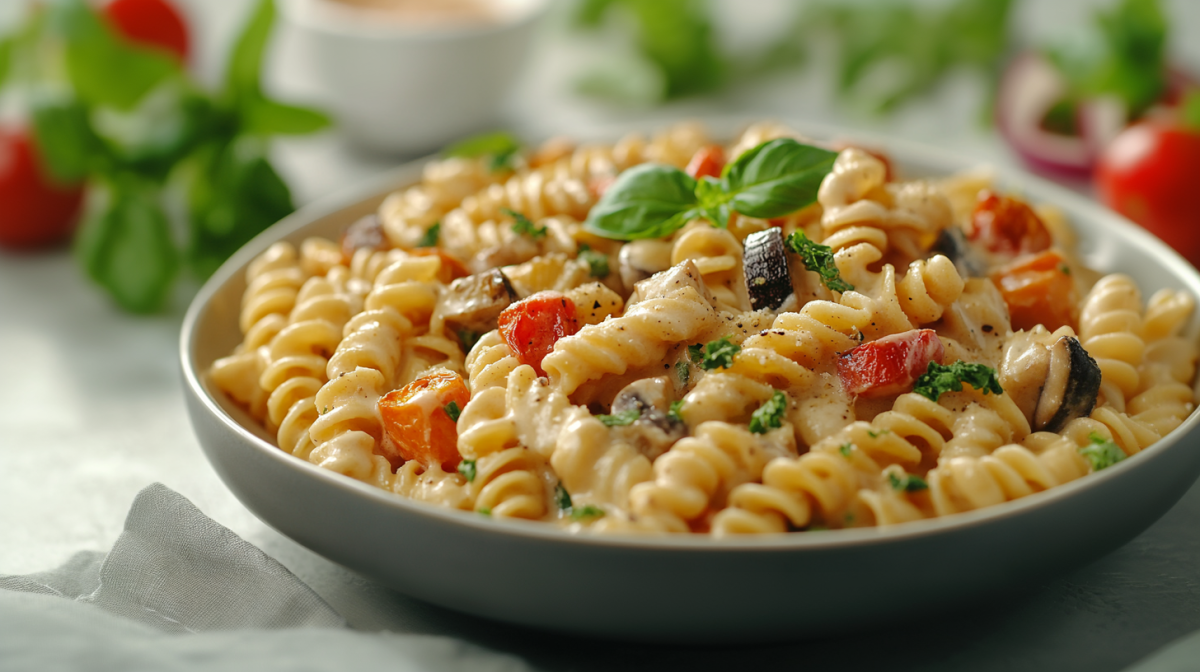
[(406, 89)]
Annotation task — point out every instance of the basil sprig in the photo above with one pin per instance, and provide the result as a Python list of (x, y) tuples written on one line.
[(653, 200)]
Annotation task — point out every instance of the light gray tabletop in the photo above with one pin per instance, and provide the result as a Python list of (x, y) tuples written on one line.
[(91, 412)]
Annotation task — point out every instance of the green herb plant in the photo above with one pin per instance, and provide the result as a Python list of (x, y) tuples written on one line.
[(523, 226), (653, 200), (130, 122)]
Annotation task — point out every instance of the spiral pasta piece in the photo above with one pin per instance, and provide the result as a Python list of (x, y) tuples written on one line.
[(297, 359), (1110, 327), (1011, 472), (718, 256), (407, 215), (639, 337), (700, 469)]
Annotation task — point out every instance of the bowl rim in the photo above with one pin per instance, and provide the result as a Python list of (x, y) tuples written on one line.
[(362, 28), (905, 152)]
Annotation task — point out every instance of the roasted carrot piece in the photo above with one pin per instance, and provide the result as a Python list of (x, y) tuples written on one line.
[(1008, 225), (1039, 290), (421, 420)]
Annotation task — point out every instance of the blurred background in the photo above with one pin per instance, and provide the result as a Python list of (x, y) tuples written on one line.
[(175, 130)]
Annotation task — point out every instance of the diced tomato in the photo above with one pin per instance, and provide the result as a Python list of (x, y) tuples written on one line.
[(365, 233), (1008, 225), (708, 161), (451, 270), (531, 327), (890, 365), (1039, 290), (416, 420)]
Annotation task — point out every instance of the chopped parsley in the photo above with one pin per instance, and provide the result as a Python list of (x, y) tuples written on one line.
[(468, 339), (845, 449), (522, 226), (452, 410), (504, 160), (620, 419), (587, 512), (875, 435), (430, 239), (770, 414), (683, 371), (676, 411), (907, 483), (716, 354), (1101, 453), (467, 469), (819, 259), (597, 261), (1065, 269), (939, 379), (562, 497), (485, 511)]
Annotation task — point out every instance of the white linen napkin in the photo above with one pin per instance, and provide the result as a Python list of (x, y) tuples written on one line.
[(174, 570)]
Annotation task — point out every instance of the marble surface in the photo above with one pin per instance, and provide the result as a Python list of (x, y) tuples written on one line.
[(91, 412)]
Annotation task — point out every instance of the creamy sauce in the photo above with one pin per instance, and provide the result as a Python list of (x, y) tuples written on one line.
[(427, 12)]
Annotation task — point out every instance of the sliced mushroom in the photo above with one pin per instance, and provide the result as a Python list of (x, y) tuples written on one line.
[(654, 431), (641, 259), (1071, 386), (366, 232), (767, 277), (475, 302), (953, 243), (1052, 380)]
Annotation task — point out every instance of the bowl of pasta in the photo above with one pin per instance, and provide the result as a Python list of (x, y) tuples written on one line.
[(669, 388)]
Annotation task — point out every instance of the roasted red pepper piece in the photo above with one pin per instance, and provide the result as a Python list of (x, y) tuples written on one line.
[(890, 365), (708, 161), (531, 327), (417, 421), (1008, 225), (1039, 290)]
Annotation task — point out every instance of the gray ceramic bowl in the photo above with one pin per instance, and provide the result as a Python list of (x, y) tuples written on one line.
[(675, 588)]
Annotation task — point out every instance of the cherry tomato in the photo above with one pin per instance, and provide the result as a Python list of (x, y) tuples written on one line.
[(34, 211), (151, 23), (1008, 225), (1039, 290), (531, 327), (708, 161), (418, 423), (889, 365), (1150, 174)]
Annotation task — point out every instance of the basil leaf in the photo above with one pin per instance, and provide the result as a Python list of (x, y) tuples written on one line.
[(267, 117), (65, 142), (125, 243), (774, 179), (486, 144), (243, 76), (103, 68), (6, 49), (647, 201), (234, 195)]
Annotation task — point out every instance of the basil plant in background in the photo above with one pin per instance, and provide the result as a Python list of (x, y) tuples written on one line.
[(130, 122)]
